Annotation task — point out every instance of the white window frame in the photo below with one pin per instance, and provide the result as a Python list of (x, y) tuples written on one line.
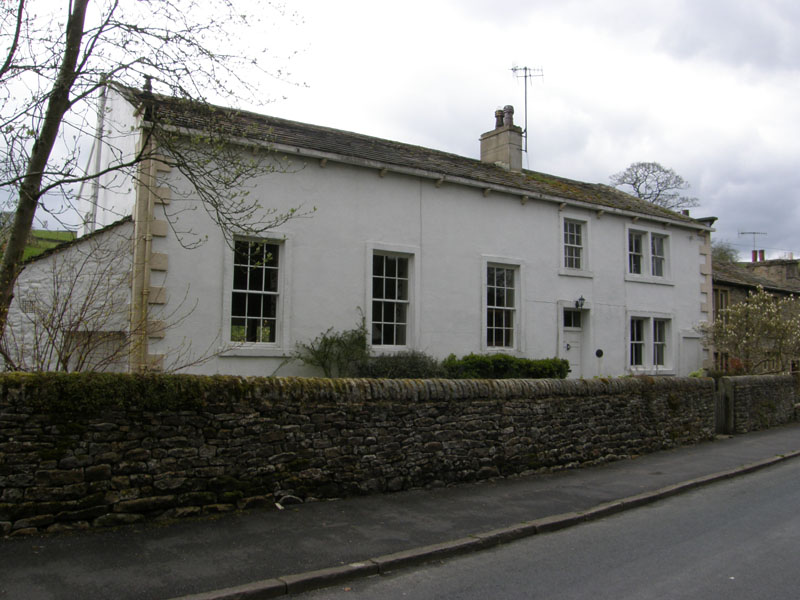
[(585, 254), (647, 259), (278, 348), (517, 333), (411, 253), (637, 345), (660, 342), (636, 255), (649, 343), (658, 257)]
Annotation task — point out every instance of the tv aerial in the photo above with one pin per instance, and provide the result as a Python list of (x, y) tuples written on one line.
[(754, 234), (527, 74)]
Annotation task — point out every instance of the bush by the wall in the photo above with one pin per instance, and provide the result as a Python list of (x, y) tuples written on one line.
[(503, 366), (403, 365), (337, 353)]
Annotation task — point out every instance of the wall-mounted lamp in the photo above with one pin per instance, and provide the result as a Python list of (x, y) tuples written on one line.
[(580, 302)]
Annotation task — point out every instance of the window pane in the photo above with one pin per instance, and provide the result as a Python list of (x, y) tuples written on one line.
[(240, 277), (377, 287), (271, 255), (658, 267), (271, 281), (256, 280), (400, 316), (377, 264), (267, 333), (240, 252), (377, 311), (402, 289), (253, 305), (500, 296), (269, 306), (239, 305), (255, 254), (237, 330), (402, 268)]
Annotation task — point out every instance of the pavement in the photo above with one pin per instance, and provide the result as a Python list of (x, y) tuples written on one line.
[(267, 553)]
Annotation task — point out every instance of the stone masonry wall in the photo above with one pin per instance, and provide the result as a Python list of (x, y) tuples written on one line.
[(760, 402), (80, 451)]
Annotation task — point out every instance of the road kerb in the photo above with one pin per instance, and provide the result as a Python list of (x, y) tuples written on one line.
[(272, 588), (415, 556)]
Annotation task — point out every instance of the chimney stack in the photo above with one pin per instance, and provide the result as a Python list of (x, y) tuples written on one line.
[(503, 145)]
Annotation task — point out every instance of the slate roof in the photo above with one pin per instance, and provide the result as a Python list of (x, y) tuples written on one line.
[(739, 276), (185, 114)]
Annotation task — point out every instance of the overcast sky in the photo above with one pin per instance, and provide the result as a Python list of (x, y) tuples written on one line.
[(709, 88)]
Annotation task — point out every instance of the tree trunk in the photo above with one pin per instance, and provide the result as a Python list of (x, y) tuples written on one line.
[(30, 188)]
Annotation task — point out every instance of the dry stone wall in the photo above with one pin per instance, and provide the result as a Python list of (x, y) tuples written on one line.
[(759, 402), (82, 451)]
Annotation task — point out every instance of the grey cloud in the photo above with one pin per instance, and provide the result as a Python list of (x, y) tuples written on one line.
[(762, 34)]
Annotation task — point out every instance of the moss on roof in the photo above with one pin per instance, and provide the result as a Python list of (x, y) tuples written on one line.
[(726, 273), (242, 124)]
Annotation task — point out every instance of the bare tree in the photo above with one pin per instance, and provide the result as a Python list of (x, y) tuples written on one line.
[(52, 66), (723, 252), (70, 311), (657, 184)]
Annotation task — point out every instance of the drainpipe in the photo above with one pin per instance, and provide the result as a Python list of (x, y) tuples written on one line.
[(140, 292)]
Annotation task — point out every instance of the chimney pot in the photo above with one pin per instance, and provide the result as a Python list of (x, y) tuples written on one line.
[(761, 255), (508, 115), (755, 256), (498, 118)]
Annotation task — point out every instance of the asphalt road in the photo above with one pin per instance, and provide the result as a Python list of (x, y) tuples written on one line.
[(738, 539)]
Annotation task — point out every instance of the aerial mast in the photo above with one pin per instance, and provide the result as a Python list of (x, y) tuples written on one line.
[(754, 234), (527, 74)]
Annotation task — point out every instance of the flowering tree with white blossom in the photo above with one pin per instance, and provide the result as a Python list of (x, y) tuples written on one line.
[(759, 335)]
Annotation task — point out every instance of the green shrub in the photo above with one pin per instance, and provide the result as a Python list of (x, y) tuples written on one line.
[(337, 353), (503, 366), (403, 365)]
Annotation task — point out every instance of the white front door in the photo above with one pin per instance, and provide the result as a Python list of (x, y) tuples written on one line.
[(571, 340), (572, 352)]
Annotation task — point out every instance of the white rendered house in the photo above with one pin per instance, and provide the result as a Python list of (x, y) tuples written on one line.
[(440, 253)]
